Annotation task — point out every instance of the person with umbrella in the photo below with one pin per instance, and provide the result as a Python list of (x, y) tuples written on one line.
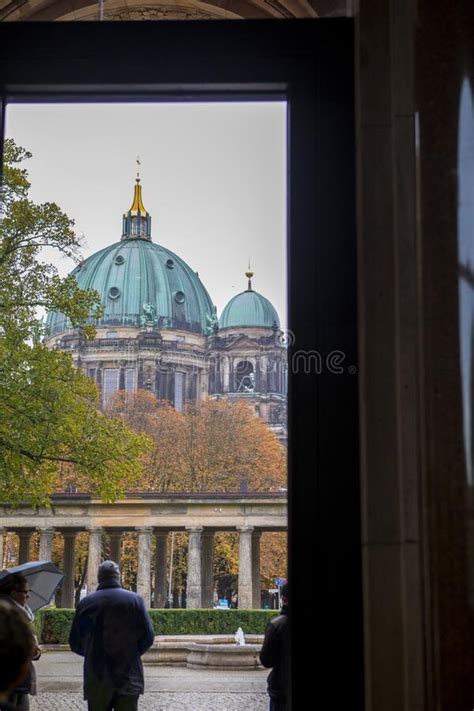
[(26, 588), (14, 590), (16, 649)]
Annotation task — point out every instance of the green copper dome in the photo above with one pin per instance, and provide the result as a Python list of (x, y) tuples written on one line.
[(249, 308), (141, 283)]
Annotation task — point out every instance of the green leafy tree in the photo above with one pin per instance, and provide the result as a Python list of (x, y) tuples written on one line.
[(49, 415)]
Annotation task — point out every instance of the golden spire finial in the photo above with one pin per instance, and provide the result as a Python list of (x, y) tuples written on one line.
[(137, 205), (249, 274)]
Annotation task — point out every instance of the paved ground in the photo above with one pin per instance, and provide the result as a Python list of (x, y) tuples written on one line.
[(161, 702), (168, 688)]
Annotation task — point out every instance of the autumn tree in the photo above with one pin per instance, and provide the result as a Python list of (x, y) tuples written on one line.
[(273, 557), (49, 411), (162, 468), (226, 446), (214, 446)]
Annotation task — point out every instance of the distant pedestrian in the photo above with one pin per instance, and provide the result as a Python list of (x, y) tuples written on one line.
[(234, 601), (14, 591), (111, 630), (275, 654)]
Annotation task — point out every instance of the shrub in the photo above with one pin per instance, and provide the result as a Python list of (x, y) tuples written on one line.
[(53, 625), (37, 624), (179, 621)]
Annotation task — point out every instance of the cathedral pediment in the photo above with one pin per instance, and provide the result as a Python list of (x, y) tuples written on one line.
[(242, 343)]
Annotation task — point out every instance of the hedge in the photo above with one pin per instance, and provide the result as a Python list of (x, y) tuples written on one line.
[(179, 621), (53, 624)]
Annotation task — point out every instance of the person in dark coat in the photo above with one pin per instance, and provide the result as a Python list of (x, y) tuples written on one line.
[(17, 647), (14, 591), (275, 654), (111, 630)]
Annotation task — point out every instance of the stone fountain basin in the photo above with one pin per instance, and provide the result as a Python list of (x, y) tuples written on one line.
[(224, 656), (205, 651)]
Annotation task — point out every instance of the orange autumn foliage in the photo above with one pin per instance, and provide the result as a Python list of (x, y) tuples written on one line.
[(215, 446)]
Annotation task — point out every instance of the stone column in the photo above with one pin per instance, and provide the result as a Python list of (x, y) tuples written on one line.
[(160, 595), (193, 589), (2, 546), (245, 567), (256, 585), (204, 383), (115, 538), (45, 544), (94, 559), (225, 376), (24, 537), (207, 578), (98, 375), (144, 565), (69, 566), (217, 375)]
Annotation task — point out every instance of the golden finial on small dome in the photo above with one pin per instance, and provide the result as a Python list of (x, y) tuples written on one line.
[(249, 274)]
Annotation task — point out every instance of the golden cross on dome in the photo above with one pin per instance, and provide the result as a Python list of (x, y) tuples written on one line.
[(249, 274)]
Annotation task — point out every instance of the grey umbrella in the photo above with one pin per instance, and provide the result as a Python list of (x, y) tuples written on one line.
[(43, 578)]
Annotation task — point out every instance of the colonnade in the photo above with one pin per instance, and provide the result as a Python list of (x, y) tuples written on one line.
[(199, 593)]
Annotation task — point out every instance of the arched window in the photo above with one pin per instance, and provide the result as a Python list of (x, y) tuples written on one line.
[(130, 379), (244, 377), (110, 384), (179, 391)]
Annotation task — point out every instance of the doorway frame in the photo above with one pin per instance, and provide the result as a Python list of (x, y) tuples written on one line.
[(310, 64)]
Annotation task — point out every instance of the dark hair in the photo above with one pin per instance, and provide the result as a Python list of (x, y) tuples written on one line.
[(284, 591), (13, 582), (16, 646)]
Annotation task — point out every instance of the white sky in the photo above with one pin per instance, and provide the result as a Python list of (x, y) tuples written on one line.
[(213, 177)]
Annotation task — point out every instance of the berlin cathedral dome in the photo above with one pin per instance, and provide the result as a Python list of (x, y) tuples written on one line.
[(136, 272), (249, 309), (160, 331)]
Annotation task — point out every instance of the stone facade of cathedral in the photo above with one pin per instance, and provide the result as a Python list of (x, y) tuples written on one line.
[(159, 330)]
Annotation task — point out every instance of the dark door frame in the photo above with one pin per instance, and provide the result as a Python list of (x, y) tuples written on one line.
[(311, 64)]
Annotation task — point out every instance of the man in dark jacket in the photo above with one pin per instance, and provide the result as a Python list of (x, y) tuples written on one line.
[(111, 630), (275, 653)]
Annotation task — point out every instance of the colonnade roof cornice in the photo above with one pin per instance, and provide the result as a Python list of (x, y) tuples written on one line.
[(217, 512), (134, 501), (178, 496)]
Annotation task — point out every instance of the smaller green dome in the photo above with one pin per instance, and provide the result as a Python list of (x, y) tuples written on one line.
[(249, 308)]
